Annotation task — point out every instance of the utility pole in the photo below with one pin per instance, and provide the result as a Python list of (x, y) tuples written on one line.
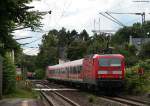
[(99, 24), (142, 14)]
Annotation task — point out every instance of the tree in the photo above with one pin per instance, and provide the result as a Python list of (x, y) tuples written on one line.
[(28, 62), (136, 31), (14, 15), (9, 75), (75, 46), (145, 50), (48, 54), (84, 35), (76, 50), (97, 44), (129, 52)]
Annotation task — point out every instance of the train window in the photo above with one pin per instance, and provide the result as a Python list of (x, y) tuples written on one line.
[(115, 62), (74, 70), (109, 62), (78, 69), (56, 71), (103, 62), (71, 69)]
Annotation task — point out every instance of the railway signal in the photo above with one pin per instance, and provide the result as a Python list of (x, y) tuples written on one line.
[(140, 71)]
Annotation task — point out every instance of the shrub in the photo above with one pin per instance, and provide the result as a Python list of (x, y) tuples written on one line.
[(145, 50), (39, 74), (9, 75), (136, 83), (91, 98), (129, 52)]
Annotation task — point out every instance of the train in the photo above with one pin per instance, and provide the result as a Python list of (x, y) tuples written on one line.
[(100, 71)]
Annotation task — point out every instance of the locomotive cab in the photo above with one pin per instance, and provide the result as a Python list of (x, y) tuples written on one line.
[(110, 70)]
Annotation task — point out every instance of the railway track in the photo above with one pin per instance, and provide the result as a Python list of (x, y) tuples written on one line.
[(126, 101), (57, 99), (54, 98), (136, 100)]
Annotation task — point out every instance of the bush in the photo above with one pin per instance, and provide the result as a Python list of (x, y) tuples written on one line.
[(129, 52), (145, 50), (136, 83), (91, 98), (39, 74), (9, 75)]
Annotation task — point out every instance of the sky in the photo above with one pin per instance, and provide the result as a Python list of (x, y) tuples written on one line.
[(79, 15)]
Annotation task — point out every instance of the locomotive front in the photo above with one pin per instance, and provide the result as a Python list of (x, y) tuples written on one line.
[(110, 71)]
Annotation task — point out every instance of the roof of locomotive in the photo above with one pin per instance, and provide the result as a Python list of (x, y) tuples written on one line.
[(68, 64), (108, 55), (80, 61)]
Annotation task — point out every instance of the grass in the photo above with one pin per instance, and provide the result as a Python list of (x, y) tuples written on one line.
[(91, 98), (23, 91)]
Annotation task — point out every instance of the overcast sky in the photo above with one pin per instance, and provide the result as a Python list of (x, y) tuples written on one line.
[(79, 15)]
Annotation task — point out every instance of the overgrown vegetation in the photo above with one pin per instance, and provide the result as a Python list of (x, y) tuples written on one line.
[(91, 98), (9, 75), (70, 45), (14, 15), (23, 90), (136, 83), (145, 51), (39, 73)]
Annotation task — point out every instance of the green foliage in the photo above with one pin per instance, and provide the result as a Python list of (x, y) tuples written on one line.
[(28, 62), (135, 83), (9, 75), (15, 15), (48, 51), (91, 98), (136, 31), (23, 90), (145, 51), (145, 64), (39, 73), (97, 44), (74, 45), (76, 50), (129, 52)]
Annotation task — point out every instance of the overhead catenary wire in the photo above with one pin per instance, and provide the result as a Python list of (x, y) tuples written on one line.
[(32, 41), (115, 19), (111, 19), (31, 50), (28, 46), (142, 14)]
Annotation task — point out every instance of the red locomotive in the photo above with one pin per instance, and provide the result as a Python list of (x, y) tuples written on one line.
[(96, 70)]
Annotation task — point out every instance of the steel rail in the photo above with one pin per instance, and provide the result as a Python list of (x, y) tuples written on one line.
[(125, 101), (46, 96), (66, 99), (136, 100)]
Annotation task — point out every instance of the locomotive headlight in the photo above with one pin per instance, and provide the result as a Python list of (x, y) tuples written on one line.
[(102, 72), (117, 72)]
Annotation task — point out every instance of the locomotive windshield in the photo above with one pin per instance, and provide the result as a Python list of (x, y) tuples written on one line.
[(109, 62)]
